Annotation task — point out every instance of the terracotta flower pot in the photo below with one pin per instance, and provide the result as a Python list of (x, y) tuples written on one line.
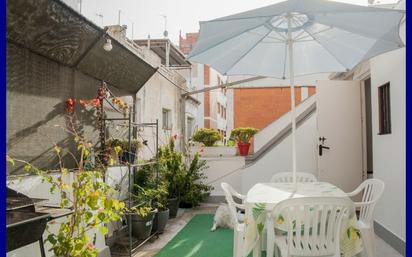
[(243, 148)]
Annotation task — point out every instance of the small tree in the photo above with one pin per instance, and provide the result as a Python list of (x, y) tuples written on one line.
[(207, 136), (91, 199), (243, 135)]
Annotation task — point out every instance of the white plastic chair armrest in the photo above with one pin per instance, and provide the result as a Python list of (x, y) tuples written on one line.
[(240, 196), (355, 192), (361, 204), (240, 206)]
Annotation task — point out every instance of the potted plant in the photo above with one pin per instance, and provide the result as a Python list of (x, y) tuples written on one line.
[(114, 150), (206, 136), (130, 156), (210, 145), (161, 204), (243, 136), (193, 190), (171, 168), (143, 213), (90, 198), (144, 178), (119, 149)]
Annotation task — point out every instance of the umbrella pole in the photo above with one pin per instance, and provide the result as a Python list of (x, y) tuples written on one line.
[(292, 99)]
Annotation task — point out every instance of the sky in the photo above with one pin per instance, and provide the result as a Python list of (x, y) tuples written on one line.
[(182, 15)]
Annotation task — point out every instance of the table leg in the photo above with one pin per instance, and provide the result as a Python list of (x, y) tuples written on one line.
[(42, 252)]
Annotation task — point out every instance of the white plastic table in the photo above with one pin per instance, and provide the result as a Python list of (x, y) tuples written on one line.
[(262, 197)]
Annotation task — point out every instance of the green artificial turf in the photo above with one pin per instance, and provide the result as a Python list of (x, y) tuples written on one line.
[(196, 240)]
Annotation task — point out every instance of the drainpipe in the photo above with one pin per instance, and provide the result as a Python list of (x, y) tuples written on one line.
[(183, 100), (167, 54), (134, 118)]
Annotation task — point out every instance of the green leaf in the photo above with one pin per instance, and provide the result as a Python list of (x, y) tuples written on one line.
[(260, 227), (51, 238), (117, 149), (10, 160), (57, 149), (104, 230), (27, 168), (280, 220), (53, 188)]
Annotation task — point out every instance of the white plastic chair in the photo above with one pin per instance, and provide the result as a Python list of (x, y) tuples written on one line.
[(319, 220), (371, 190), (287, 177), (239, 229)]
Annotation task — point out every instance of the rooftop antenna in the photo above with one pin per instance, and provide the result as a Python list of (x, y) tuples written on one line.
[(132, 27), (165, 33), (100, 15), (148, 41)]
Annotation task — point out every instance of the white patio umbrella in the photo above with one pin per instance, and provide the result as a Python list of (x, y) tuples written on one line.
[(297, 37)]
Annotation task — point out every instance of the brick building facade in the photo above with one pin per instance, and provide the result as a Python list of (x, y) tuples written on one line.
[(203, 76), (259, 106)]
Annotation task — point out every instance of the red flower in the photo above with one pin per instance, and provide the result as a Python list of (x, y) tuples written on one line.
[(70, 105), (83, 102)]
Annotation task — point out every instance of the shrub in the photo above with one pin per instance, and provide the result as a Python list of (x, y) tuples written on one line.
[(243, 135), (172, 169), (207, 136), (230, 142), (149, 188), (194, 191), (183, 181)]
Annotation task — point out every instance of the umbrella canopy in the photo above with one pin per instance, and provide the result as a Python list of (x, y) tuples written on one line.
[(327, 37), (295, 38)]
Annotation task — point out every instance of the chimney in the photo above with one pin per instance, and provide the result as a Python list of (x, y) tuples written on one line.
[(118, 31)]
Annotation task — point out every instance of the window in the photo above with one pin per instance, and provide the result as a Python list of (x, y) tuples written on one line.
[(218, 108), (384, 109), (166, 119)]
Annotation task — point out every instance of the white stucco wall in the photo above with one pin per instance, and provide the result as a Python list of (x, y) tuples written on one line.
[(279, 159), (274, 128), (389, 151), (159, 93), (224, 169)]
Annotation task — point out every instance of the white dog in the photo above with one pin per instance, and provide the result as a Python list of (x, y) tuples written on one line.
[(223, 218)]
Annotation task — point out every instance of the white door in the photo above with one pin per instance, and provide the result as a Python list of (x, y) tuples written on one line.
[(339, 124)]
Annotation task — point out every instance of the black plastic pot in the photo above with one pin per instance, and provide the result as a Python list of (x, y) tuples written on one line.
[(160, 221), (128, 157), (173, 206), (142, 226), (185, 205)]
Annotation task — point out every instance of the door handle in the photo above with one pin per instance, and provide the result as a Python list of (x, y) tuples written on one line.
[(321, 147)]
